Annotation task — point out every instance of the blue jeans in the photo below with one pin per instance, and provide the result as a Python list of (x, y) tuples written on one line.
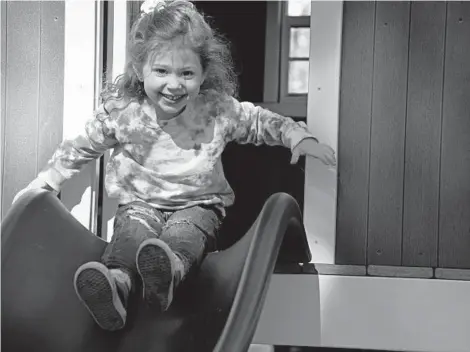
[(191, 233)]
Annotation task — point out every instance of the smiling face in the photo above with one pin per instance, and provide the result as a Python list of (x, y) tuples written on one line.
[(172, 79)]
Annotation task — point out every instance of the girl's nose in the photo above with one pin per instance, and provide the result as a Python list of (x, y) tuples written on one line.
[(174, 82)]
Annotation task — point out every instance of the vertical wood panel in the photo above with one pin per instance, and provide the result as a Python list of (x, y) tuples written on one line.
[(51, 84), (423, 134), (454, 229), (272, 51), (134, 11), (354, 132), (22, 77), (3, 34), (388, 133), (326, 25)]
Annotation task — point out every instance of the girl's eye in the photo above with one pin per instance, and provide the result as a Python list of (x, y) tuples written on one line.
[(160, 71), (188, 74)]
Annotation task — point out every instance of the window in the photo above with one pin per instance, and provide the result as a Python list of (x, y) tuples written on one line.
[(287, 57), (295, 48)]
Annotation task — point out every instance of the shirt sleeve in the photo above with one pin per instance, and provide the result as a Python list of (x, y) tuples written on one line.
[(248, 123), (73, 154)]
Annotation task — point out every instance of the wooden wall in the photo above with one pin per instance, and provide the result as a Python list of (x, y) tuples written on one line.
[(32, 90), (404, 135)]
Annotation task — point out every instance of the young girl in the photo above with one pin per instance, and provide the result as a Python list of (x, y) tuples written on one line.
[(167, 119)]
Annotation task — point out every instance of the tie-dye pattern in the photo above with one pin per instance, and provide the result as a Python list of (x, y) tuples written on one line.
[(172, 164)]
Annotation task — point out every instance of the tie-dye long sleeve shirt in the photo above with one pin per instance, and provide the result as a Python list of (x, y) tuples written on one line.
[(170, 164)]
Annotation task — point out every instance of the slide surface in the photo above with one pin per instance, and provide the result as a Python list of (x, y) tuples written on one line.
[(216, 309)]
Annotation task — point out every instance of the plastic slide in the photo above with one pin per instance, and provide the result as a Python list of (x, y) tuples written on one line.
[(215, 309)]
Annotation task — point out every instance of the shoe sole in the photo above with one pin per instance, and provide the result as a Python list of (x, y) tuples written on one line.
[(97, 291), (157, 272)]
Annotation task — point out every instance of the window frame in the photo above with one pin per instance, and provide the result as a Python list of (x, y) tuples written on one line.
[(275, 96), (289, 22)]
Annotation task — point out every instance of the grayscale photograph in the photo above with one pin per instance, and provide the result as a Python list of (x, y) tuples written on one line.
[(235, 176)]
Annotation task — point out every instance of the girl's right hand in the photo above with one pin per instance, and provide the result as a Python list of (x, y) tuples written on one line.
[(35, 184)]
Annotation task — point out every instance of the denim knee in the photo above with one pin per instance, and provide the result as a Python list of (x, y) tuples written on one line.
[(186, 240)]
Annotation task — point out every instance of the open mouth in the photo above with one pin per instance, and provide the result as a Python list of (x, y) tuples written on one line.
[(173, 98)]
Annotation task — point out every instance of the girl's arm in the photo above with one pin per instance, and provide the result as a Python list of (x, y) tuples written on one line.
[(248, 123), (73, 154)]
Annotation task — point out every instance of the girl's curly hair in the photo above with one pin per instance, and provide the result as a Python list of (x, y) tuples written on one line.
[(155, 31)]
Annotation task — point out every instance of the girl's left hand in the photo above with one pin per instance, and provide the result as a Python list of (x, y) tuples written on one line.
[(311, 147)]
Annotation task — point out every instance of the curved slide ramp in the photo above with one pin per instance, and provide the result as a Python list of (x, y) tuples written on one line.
[(216, 308)]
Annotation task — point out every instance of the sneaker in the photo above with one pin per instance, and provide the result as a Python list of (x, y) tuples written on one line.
[(161, 271), (103, 295)]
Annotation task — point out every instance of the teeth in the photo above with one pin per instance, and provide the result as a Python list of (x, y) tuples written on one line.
[(172, 97)]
